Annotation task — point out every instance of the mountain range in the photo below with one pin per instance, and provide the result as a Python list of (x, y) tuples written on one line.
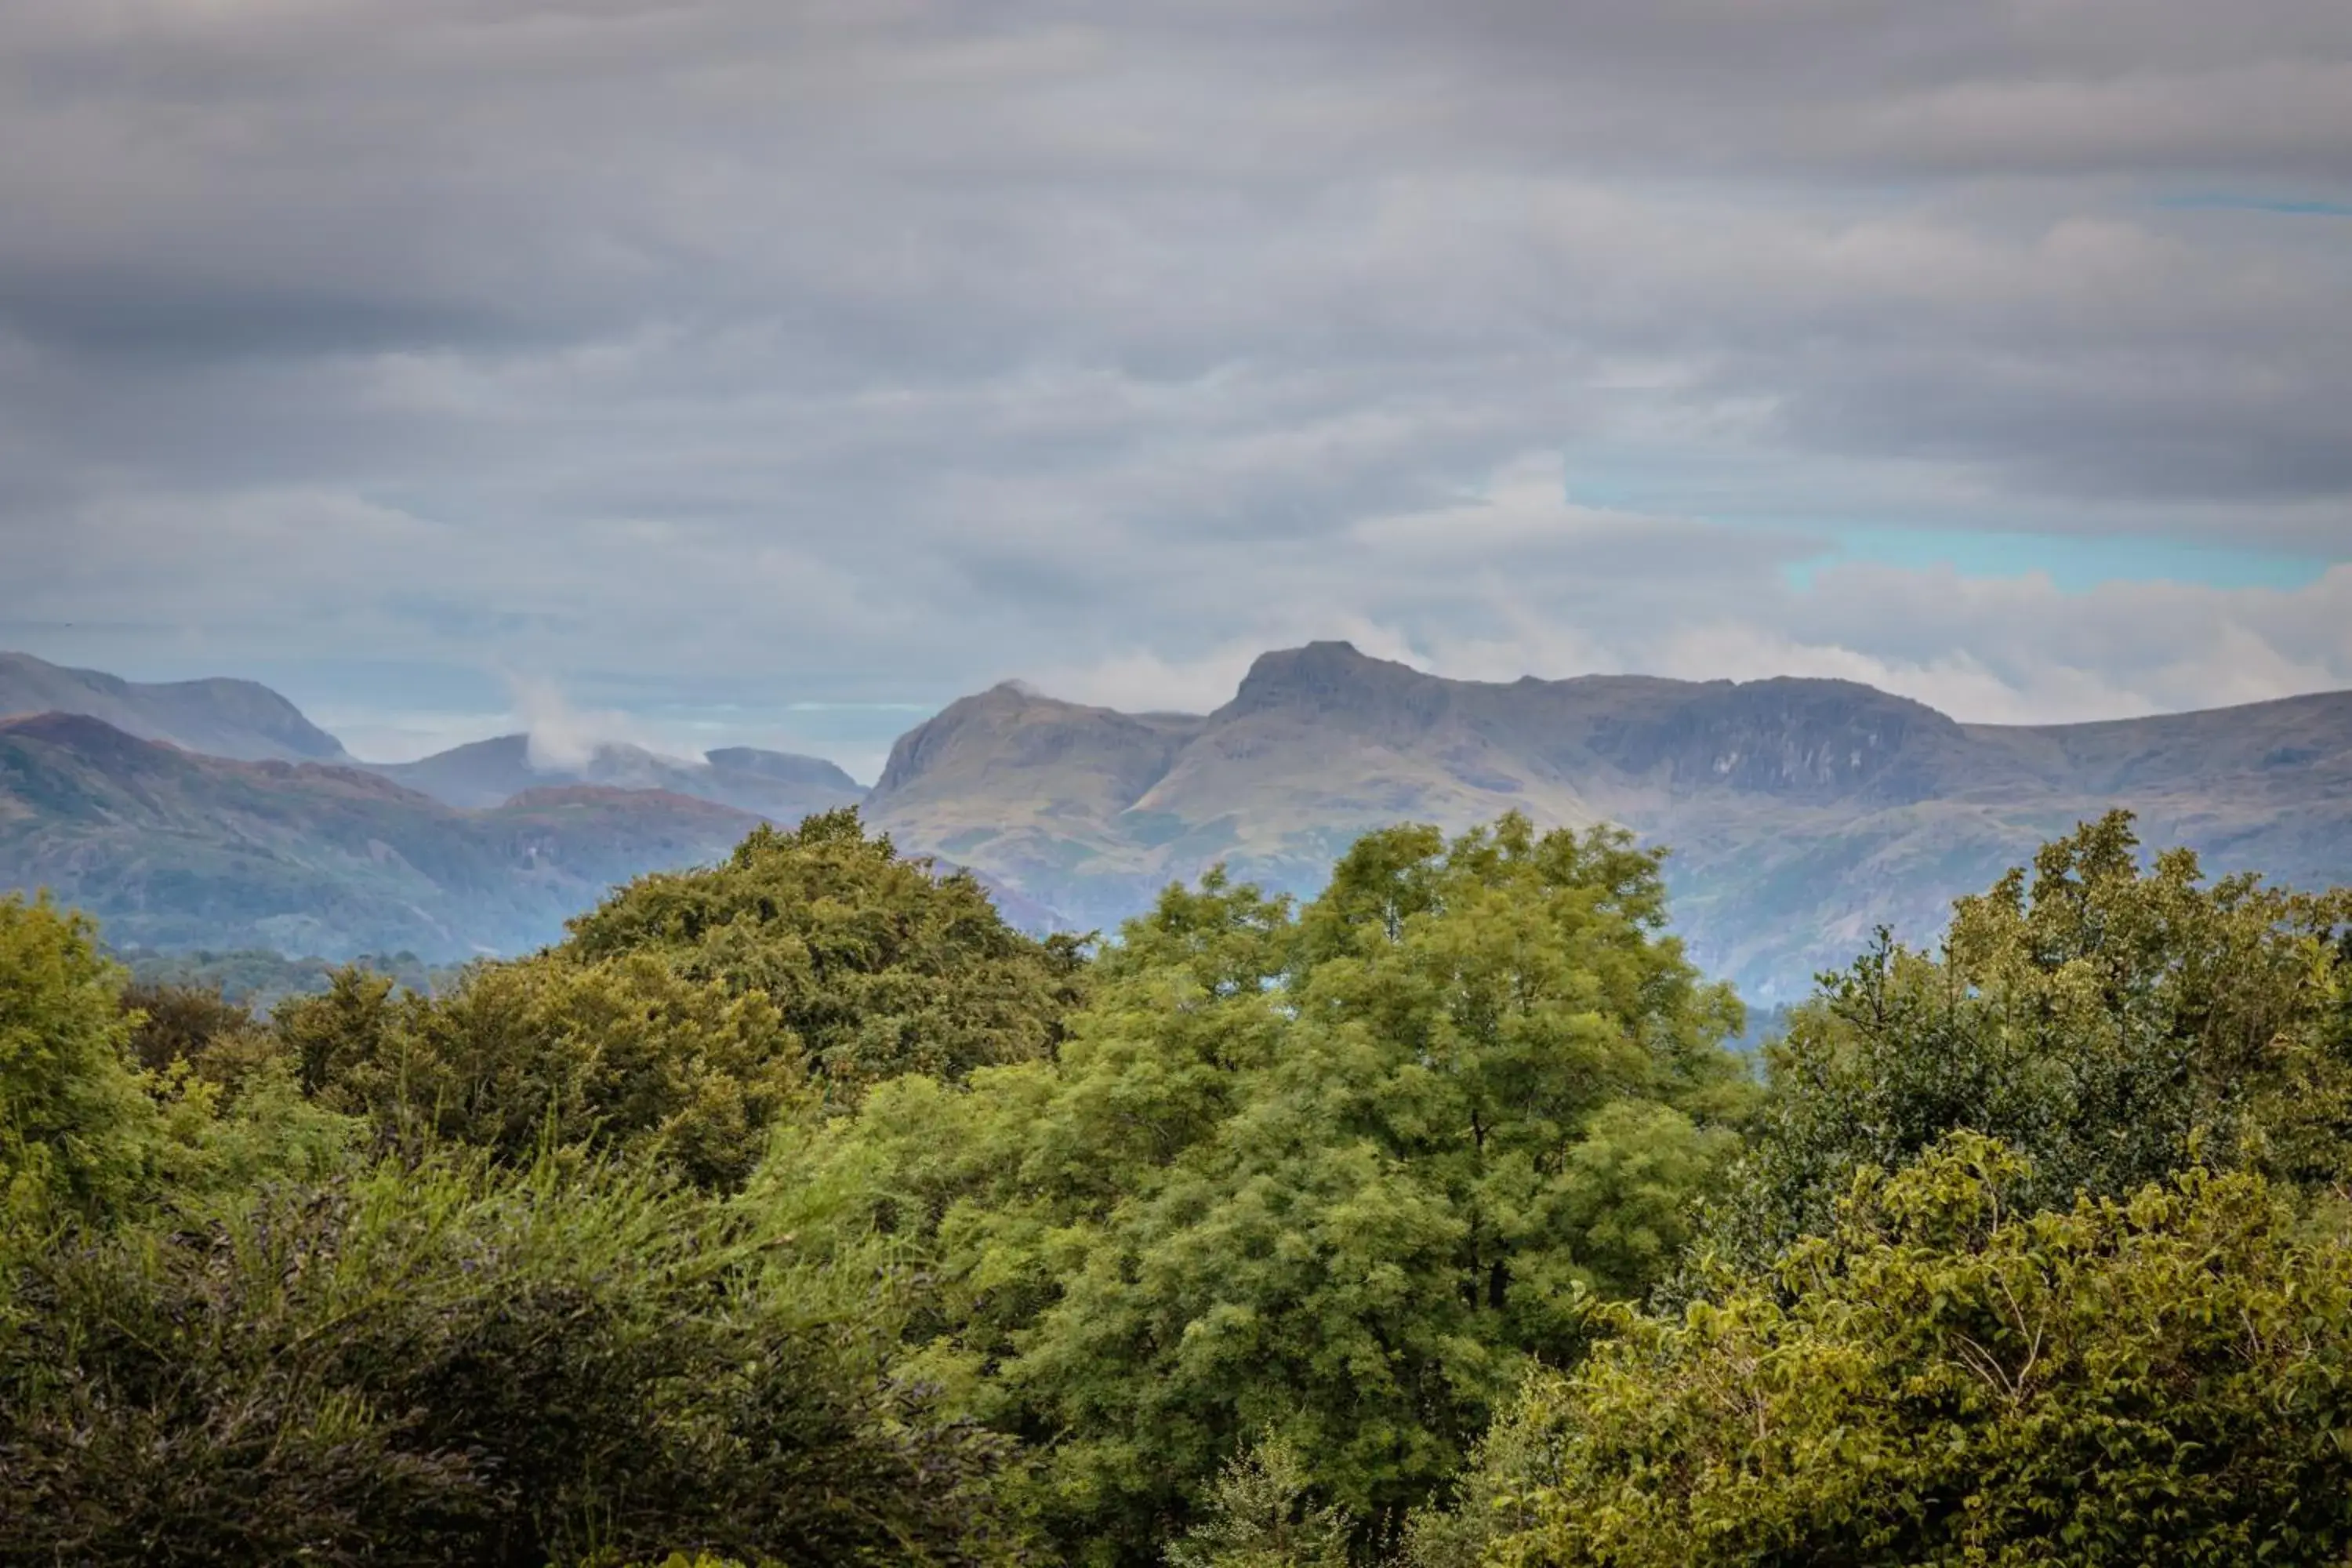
[(174, 849), (780, 785), (1802, 813)]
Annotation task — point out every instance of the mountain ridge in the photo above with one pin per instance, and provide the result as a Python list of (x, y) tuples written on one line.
[(1802, 812), (240, 719), (172, 848), (782, 786)]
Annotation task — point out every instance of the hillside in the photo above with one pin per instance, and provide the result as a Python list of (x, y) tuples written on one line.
[(234, 719), (172, 849), (1802, 814), (777, 785)]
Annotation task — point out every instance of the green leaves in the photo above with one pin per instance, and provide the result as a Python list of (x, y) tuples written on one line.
[(1346, 1172), (1951, 1377), (2096, 1016), (452, 1362), (876, 966), (76, 1130)]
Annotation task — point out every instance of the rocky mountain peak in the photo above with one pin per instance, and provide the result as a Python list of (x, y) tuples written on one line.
[(1325, 677)]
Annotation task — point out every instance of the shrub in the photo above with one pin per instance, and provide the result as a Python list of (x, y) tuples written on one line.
[(449, 1364)]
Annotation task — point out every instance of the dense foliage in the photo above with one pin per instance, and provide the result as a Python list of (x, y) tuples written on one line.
[(439, 1364), (1953, 1378), (876, 966), (799, 1210), (2097, 1016), (1345, 1173), (622, 1053)]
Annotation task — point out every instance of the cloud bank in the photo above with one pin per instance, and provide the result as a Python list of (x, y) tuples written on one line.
[(750, 369)]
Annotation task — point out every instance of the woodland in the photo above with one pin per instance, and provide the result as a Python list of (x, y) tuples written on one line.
[(800, 1210)]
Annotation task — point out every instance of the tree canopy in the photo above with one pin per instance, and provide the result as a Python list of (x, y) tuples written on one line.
[(1953, 1376), (2098, 1015), (800, 1210), (1344, 1172), (876, 965)]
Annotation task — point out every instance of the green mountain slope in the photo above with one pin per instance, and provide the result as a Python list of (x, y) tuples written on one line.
[(1802, 814), (171, 850)]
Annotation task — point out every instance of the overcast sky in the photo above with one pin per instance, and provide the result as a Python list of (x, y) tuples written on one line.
[(776, 371)]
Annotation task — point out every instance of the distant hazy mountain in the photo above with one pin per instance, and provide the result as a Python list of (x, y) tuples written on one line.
[(235, 718), (172, 849), (776, 784), (1802, 814)]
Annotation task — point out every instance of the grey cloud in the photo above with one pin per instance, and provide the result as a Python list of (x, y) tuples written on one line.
[(889, 347)]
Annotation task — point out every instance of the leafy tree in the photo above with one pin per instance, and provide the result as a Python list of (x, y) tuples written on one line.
[(1953, 1376), (446, 1363), (623, 1054), (2096, 1016), (878, 966), (328, 1034), (1346, 1172), (76, 1130), (1261, 1516)]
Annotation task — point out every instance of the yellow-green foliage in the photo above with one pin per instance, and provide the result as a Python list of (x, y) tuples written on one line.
[(876, 965), (1261, 1514), (1946, 1378), (623, 1054), (85, 1130), (75, 1128), (2095, 1015)]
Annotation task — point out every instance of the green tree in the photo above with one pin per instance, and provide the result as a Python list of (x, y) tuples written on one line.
[(76, 1129), (878, 966), (1953, 1376), (1261, 1514), (1346, 1171), (2095, 1015), (621, 1054)]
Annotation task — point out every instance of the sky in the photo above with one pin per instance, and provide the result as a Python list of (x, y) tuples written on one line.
[(773, 371)]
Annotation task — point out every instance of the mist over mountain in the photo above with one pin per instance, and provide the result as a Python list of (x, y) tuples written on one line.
[(777, 785), (171, 850), (235, 718), (1802, 813)]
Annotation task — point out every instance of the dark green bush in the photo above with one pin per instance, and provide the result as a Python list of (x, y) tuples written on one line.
[(445, 1365)]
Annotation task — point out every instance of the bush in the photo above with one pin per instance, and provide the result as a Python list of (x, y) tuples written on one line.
[(447, 1364), (621, 1055)]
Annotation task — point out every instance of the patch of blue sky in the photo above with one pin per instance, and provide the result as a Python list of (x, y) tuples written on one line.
[(2073, 562)]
